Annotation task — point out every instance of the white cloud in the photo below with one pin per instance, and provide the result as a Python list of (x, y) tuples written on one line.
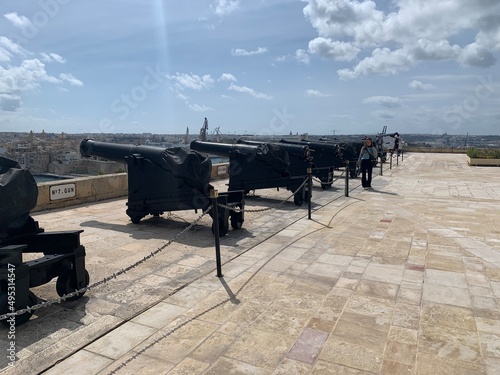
[(243, 52), (247, 90), (327, 48), (384, 101), (227, 77), (191, 81), (8, 49), (199, 108), (476, 55), (28, 75), (317, 93), (182, 96), (70, 79), (412, 32), (224, 7), (302, 56), (50, 57), (17, 20), (383, 61), (418, 85)]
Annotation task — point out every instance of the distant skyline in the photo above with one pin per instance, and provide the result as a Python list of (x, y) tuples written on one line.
[(257, 67)]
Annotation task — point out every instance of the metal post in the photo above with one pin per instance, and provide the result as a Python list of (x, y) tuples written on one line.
[(214, 194), (402, 153), (397, 159), (309, 191), (347, 170), (390, 163)]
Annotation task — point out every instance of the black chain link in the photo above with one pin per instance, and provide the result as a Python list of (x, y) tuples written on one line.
[(238, 209)]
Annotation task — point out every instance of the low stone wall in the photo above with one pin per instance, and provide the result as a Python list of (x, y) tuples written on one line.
[(435, 150), (483, 162), (70, 192), (220, 171)]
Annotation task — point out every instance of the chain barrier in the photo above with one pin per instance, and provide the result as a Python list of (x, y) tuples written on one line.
[(238, 209), (329, 181), (106, 279)]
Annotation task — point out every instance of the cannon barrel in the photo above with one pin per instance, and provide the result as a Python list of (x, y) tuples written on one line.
[(272, 155), (118, 152), (316, 146), (222, 149), (302, 151)]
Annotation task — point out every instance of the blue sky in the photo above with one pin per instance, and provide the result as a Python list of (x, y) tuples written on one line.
[(257, 67)]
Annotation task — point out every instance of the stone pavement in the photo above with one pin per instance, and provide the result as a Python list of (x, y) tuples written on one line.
[(404, 279)]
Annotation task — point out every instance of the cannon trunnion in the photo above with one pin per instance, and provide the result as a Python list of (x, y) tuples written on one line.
[(63, 255), (259, 166), (163, 180)]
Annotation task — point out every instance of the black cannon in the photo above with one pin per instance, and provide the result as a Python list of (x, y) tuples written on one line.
[(163, 180), (327, 158), (258, 166), (388, 143), (349, 151), (63, 255)]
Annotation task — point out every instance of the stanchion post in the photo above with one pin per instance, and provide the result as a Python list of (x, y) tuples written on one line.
[(214, 194), (390, 163), (309, 191), (402, 155), (347, 171), (381, 163), (397, 159)]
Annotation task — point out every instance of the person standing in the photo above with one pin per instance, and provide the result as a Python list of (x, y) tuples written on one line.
[(396, 144), (367, 157)]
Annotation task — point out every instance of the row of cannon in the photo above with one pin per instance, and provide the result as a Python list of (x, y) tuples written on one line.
[(159, 180), (163, 180)]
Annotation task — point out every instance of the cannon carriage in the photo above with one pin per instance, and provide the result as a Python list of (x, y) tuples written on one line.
[(63, 255), (164, 180)]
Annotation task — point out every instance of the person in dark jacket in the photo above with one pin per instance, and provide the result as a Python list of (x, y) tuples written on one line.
[(396, 144), (367, 157)]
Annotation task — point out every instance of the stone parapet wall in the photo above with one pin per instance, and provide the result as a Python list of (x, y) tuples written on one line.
[(70, 192)]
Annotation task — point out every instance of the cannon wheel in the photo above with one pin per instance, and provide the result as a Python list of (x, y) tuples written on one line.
[(20, 319), (66, 283), (298, 198), (223, 228), (136, 219), (326, 185), (237, 219), (306, 195)]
